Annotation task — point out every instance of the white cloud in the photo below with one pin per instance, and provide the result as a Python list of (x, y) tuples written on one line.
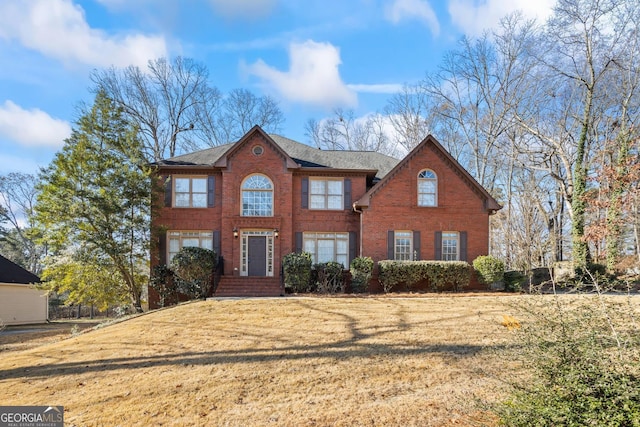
[(376, 88), (473, 16), (58, 29), (312, 78), (420, 10), (243, 9), (32, 128)]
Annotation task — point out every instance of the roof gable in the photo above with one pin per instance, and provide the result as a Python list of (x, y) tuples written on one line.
[(490, 203), (13, 273), (255, 131)]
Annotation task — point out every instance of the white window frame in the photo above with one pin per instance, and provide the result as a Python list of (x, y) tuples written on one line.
[(426, 176), (320, 200), (401, 250), (311, 241), (269, 190), (244, 248), (450, 246), (178, 239), (190, 193)]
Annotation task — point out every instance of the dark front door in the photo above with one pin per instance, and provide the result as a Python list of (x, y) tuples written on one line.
[(257, 255)]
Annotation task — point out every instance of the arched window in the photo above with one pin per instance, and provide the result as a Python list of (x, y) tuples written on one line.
[(257, 196), (427, 188)]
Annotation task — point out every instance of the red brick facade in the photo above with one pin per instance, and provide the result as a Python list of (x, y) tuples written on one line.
[(369, 210)]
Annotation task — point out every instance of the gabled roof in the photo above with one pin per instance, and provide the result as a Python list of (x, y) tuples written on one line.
[(490, 204), (303, 156), (13, 273)]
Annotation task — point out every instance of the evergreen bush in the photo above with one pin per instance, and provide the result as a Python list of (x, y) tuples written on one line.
[(193, 268), (297, 271), (439, 274), (490, 269), (361, 269)]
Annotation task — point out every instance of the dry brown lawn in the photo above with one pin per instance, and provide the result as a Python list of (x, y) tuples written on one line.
[(293, 361)]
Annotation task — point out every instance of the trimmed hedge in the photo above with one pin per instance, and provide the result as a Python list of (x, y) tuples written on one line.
[(490, 269), (439, 274), (193, 269), (361, 269)]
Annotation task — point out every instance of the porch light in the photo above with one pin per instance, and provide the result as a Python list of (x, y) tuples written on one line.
[(275, 233), (235, 232)]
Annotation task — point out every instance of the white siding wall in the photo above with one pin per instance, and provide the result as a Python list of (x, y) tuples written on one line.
[(21, 304)]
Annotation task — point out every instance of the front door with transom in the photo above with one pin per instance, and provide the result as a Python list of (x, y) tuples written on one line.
[(257, 255)]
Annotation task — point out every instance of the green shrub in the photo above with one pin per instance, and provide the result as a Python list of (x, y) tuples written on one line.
[(490, 269), (330, 277), (297, 271), (163, 283), (361, 269), (193, 268), (513, 281), (584, 363), (439, 274)]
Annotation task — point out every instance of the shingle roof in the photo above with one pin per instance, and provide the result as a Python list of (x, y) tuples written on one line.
[(13, 273), (304, 155)]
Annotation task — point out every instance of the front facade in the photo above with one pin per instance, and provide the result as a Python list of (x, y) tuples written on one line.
[(265, 196)]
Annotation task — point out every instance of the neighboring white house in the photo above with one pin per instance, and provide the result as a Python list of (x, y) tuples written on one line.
[(20, 301)]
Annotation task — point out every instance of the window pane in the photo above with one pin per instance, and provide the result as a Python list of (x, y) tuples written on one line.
[(182, 200), (425, 186), (318, 187), (206, 244), (426, 199), (199, 185), (325, 250), (334, 187), (174, 245), (199, 201), (190, 242), (317, 202), (334, 202), (182, 185)]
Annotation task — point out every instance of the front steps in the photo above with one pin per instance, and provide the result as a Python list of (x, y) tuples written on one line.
[(236, 286)]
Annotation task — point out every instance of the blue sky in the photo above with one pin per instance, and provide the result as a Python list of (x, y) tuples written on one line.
[(312, 56)]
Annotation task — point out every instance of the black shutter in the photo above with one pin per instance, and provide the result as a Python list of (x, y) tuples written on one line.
[(353, 246), (347, 194), (463, 246), (438, 245), (216, 242), (391, 243), (162, 248), (305, 193), (167, 191), (416, 246), (211, 191), (298, 242)]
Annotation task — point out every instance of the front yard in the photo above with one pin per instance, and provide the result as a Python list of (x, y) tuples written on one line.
[(294, 361)]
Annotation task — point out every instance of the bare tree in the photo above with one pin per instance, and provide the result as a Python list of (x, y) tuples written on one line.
[(177, 110), (18, 241), (344, 131)]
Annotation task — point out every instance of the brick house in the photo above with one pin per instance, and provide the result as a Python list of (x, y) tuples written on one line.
[(265, 196)]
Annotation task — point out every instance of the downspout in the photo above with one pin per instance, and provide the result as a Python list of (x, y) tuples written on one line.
[(361, 212)]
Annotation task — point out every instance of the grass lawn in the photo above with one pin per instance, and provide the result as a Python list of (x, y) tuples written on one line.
[(293, 361)]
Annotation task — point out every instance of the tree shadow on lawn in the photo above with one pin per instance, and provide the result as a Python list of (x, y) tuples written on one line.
[(354, 346), (339, 351)]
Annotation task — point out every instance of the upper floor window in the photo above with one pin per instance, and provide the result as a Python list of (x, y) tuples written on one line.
[(427, 188), (190, 192), (326, 193), (450, 246), (257, 196), (403, 246)]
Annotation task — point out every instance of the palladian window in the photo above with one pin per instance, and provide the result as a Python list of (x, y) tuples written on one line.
[(257, 196)]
